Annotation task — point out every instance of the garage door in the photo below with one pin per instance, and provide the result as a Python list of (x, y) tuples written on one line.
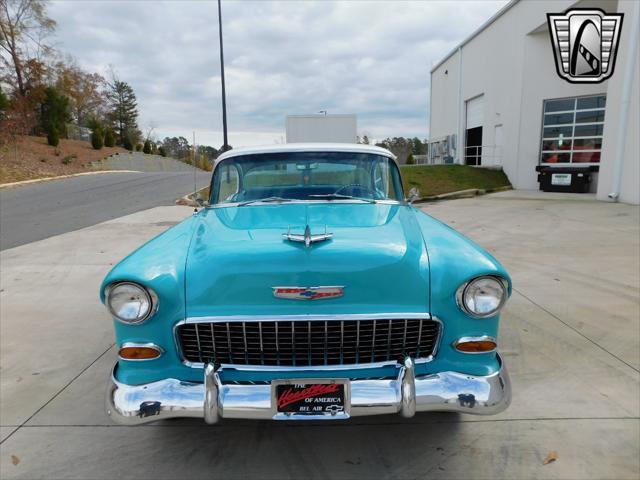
[(475, 112)]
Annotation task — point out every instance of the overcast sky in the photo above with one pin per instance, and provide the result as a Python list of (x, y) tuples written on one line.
[(294, 57)]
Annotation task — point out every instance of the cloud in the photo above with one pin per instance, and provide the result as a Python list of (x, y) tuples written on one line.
[(291, 57)]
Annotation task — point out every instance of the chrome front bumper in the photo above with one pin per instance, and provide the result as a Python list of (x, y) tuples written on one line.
[(213, 400)]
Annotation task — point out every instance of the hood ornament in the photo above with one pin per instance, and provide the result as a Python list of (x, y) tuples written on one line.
[(307, 237)]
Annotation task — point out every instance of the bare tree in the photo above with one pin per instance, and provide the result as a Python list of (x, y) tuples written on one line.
[(150, 128), (86, 91), (24, 28)]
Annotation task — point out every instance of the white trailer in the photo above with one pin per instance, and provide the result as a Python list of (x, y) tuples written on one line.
[(335, 128)]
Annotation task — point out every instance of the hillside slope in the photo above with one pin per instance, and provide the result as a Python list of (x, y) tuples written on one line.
[(32, 158)]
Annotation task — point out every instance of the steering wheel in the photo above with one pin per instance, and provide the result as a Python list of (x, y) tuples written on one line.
[(364, 189)]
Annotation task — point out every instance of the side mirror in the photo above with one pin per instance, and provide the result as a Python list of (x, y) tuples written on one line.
[(414, 194), (201, 202)]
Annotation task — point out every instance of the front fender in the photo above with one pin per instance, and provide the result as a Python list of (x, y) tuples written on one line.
[(159, 265), (453, 260)]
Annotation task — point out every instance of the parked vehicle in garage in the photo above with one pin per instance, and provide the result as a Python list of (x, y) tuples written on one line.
[(307, 287)]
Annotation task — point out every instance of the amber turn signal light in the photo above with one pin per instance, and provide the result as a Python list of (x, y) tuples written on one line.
[(139, 352), (476, 345)]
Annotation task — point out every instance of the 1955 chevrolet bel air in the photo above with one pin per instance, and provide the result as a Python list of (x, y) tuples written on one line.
[(307, 287)]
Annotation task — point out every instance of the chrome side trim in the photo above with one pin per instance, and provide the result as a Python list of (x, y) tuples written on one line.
[(481, 338), (404, 394), (152, 346), (325, 318)]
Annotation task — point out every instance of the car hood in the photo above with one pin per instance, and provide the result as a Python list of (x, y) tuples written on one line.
[(238, 254)]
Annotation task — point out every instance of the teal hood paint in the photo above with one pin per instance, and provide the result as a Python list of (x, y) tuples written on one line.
[(224, 261), (238, 254)]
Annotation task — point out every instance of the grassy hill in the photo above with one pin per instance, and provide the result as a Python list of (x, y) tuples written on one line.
[(438, 179), (32, 157)]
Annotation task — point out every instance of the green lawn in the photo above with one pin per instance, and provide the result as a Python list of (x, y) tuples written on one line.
[(438, 179)]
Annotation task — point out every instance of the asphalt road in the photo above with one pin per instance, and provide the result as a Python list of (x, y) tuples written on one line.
[(569, 336), (34, 212)]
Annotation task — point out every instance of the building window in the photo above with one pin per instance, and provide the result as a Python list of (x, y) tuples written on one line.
[(572, 130)]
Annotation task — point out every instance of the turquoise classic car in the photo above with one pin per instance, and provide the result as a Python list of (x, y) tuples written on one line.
[(307, 287)]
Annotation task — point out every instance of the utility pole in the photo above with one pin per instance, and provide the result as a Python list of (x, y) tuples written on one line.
[(225, 145)]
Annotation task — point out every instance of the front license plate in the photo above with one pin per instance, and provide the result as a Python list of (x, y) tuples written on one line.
[(311, 398)]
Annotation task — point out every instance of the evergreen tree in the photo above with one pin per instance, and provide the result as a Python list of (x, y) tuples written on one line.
[(96, 138), (123, 108), (109, 138), (147, 147), (53, 138), (128, 143), (55, 111)]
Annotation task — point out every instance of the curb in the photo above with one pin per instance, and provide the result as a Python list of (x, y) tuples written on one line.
[(187, 201), (60, 177), (470, 193)]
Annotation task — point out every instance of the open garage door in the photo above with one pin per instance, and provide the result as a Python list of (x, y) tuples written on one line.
[(473, 131)]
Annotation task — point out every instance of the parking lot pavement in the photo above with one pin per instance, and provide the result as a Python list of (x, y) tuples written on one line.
[(570, 337)]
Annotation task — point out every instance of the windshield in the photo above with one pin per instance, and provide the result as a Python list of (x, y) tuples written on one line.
[(286, 176)]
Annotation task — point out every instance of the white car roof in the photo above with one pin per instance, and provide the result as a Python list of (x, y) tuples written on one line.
[(307, 147)]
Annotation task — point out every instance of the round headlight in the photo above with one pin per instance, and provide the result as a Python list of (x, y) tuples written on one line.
[(129, 302), (483, 297)]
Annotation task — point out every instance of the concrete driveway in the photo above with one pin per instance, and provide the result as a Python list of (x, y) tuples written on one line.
[(570, 337)]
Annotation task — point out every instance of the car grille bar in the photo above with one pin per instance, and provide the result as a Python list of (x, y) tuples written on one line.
[(307, 342)]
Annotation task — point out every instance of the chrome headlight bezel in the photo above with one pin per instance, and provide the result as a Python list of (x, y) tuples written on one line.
[(463, 289), (150, 295)]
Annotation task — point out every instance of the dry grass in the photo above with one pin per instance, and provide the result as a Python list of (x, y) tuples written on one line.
[(31, 158)]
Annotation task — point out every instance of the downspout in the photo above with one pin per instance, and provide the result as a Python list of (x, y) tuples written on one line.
[(625, 103), (460, 142)]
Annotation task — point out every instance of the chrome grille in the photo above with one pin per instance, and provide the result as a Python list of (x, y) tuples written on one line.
[(307, 342)]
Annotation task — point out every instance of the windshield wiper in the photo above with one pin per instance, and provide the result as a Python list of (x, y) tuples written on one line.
[(265, 200), (338, 196)]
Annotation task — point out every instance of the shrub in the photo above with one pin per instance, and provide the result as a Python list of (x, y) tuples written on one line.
[(411, 160), (53, 137), (96, 139), (128, 144), (147, 147), (138, 147), (67, 160), (109, 138), (162, 151), (55, 111)]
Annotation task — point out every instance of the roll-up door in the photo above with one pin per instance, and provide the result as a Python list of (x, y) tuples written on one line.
[(475, 112)]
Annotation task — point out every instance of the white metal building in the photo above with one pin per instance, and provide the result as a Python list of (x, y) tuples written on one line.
[(334, 128), (499, 93)]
